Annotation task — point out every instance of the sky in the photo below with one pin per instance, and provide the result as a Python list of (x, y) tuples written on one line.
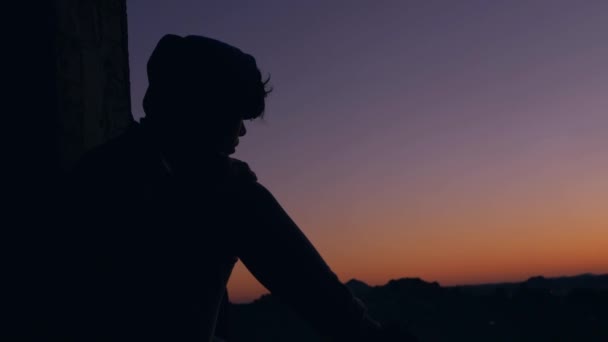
[(456, 141)]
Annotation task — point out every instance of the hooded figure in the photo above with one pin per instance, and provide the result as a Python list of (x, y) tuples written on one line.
[(164, 214)]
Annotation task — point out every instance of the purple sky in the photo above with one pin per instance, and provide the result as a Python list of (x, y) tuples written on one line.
[(390, 118)]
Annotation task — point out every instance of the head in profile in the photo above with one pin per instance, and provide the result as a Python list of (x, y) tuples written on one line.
[(200, 91)]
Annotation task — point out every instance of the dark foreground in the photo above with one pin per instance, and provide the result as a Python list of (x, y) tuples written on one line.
[(539, 309)]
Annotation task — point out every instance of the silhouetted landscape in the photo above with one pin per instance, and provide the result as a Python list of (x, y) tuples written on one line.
[(539, 309)]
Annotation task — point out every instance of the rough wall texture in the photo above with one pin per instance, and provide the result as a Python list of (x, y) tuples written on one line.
[(92, 69)]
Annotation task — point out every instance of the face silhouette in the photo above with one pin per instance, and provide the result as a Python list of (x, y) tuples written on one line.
[(228, 143), (185, 141)]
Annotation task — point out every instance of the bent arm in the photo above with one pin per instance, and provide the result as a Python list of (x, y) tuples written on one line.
[(280, 256)]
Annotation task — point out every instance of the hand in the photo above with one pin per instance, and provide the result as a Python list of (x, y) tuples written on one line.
[(240, 170)]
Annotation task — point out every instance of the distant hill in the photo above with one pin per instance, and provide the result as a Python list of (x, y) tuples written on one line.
[(558, 285), (538, 309)]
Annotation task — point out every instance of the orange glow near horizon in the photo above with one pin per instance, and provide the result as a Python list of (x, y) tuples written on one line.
[(504, 261), (508, 233)]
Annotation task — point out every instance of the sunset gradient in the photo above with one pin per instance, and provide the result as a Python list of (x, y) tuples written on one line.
[(456, 141)]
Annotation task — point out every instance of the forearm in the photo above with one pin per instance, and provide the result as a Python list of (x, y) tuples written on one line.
[(280, 256)]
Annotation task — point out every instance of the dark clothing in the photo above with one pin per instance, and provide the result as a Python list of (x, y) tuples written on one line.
[(153, 247)]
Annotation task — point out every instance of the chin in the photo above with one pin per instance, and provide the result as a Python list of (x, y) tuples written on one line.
[(230, 151)]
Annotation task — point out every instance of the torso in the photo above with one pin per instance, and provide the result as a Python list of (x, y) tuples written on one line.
[(161, 246)]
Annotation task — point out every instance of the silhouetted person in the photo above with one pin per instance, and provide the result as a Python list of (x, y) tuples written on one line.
[(164, 213)]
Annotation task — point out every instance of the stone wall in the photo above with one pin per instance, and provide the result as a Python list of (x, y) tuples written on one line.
[(92, 74)]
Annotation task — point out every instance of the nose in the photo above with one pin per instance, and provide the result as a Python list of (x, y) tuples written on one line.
[(243, 130)]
